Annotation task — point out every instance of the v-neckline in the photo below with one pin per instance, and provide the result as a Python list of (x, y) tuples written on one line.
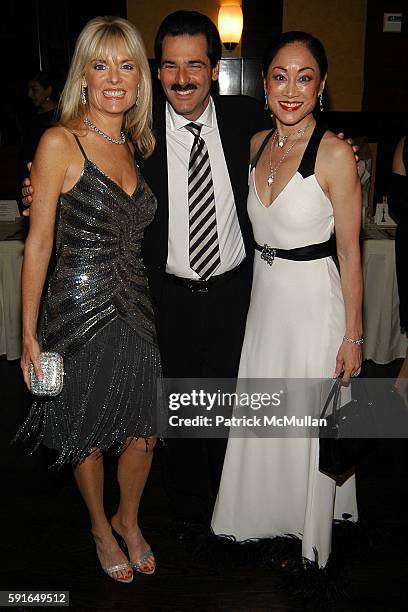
[(291, 178), (131, 195), (279, 194)]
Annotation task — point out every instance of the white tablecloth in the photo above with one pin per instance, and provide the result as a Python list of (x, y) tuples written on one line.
[(383, 339), (11, 259)]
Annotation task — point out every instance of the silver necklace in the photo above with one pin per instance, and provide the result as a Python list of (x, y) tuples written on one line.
[(282, 138), (273, 170), (119, 141)]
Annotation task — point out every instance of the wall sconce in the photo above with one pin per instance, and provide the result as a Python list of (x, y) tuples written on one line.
[(230, 24)]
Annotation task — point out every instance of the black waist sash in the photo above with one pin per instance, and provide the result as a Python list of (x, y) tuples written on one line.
[(305, 253)]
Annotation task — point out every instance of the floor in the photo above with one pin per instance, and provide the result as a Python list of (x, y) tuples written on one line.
[(46, 543)]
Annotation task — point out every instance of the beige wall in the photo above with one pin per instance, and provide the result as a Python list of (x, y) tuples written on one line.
[(147, 15), (340, 24)]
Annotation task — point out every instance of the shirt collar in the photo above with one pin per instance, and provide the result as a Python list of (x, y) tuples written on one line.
[(177, 122)]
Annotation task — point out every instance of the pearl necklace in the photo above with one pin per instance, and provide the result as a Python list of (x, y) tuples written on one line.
[(282, 139), (274, 169), (120, 141)]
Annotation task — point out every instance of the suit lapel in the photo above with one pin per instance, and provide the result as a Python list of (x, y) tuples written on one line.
[(155, 169), (227, 126), (160, 164), (236, 152)]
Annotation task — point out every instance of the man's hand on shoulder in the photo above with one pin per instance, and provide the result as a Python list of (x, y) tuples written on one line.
[(26, 192)]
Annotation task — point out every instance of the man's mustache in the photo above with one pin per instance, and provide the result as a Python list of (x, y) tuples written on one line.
[(188, 87)]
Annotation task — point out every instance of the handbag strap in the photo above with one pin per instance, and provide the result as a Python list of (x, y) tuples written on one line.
[(333, 394)]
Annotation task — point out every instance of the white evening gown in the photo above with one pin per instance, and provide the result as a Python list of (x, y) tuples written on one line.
[(296, 322)]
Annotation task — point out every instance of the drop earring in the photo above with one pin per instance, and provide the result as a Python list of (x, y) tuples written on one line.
[(321, 102), (266, 102), (83, 94), (137, 95)]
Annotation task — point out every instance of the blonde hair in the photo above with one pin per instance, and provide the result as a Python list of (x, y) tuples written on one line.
[(95, 42)]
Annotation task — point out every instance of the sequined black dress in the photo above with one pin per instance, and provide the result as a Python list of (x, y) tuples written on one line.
[(97, 313)]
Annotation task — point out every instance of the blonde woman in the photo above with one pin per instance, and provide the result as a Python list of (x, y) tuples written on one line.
[(97, 310)]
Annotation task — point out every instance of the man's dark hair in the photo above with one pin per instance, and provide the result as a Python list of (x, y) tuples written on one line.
[(312, 43), (191, 23)]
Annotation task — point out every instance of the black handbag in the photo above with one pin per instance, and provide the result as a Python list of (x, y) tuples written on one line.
[(340, 450)]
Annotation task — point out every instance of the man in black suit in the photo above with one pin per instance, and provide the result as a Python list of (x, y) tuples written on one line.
[(200, 313)]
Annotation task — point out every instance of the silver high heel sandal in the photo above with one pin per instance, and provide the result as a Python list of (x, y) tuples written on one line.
[(109, 571), (147, 556), (119, 567)]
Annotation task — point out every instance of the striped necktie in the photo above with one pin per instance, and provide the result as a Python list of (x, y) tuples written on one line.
[(204, 250)]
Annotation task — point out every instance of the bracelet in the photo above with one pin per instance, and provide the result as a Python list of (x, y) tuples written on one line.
[(352, 341)]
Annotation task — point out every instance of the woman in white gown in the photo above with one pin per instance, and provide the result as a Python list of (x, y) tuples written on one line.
[(303, 321)]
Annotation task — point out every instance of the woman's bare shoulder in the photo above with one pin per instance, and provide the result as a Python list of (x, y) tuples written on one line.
[(57, 140), (335, 148), (335, 163)]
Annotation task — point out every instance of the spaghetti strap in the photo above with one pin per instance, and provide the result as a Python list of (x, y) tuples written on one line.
[(308, 161), (80, 146), (260, 150)]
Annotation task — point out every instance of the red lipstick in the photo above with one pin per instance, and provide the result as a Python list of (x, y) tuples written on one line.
[(290, 106)]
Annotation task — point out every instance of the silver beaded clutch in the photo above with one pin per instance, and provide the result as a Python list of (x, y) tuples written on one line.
[(52, 366)]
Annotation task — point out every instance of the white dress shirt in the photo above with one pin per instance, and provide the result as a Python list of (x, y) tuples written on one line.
[(179, 143)]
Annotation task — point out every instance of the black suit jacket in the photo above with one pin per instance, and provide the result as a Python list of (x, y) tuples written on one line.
[(238, 118)]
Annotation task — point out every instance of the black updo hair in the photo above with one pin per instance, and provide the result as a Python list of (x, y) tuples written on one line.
[(312, 43)]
